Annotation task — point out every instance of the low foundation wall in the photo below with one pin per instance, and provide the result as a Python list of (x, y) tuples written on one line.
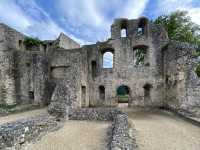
[(17, 133), (120, 138), (101, 114)]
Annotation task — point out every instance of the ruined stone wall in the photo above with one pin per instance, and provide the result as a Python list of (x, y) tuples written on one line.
[(181, 82), (72, 66), (67, 43), (31, 77), (124, 71), (9, 38), (7, 78)]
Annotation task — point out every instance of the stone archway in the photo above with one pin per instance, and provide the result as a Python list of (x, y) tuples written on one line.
[(123, 94)]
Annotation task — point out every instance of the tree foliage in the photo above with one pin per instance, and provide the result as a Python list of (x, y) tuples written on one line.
[(198, 70), (32, 41), (180, 27)]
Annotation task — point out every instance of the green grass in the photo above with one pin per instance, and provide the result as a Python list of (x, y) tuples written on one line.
[(123, 98)]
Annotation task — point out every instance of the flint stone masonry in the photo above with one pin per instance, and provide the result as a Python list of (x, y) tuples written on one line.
[(63, 100), (66, 43), (121, 137), (166, 77), (101, 114), (17, 133)]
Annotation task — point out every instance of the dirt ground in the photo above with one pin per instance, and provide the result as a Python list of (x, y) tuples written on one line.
[(75, 135), (22, 115), (155, 130), (164, 131)]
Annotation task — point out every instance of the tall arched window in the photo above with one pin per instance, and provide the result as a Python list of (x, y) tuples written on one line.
[(108, 60), (124, 32), (142, 26), (140, 55)]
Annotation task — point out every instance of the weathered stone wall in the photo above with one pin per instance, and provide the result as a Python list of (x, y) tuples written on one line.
[(9, 38), (124, 71), (181, 83), (121, 133), (7, 78), (71, 66), (37, 74), (101, 114), (17, 133), (67, 43), (31, 77)]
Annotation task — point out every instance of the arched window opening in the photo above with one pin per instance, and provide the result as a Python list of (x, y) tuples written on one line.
[(94, 68), (141, 26), (147, 91), (124, 32), (123, 93), (101, 92), (140, 55), (124, 25), (108, 60)]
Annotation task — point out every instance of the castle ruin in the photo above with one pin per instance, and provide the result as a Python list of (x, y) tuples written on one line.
[(153, 70)]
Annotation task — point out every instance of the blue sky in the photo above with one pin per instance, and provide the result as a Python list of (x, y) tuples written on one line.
[(85, 21)]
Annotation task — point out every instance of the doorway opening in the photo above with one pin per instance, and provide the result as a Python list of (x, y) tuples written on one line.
[(123, 95)]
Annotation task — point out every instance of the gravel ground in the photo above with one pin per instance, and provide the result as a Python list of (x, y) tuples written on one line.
[(14, 117), (163, 131), (75, 135)]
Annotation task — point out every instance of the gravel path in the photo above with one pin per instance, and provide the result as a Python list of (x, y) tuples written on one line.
[(164, 131), (22, 115), (75, 135)]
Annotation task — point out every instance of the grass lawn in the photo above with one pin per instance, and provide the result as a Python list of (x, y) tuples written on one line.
[(123, 98)]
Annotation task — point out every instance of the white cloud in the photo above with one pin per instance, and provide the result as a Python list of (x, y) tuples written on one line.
[(92, 19), (133, 9), (84, 21), (32, 21), (12, 15), (167, 6)]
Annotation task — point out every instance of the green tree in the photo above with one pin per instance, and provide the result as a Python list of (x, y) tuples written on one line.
[(180, 27)]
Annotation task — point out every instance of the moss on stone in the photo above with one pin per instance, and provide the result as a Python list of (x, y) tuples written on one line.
[(198, 70), (28, 41), (3, 93), (196, 54)]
